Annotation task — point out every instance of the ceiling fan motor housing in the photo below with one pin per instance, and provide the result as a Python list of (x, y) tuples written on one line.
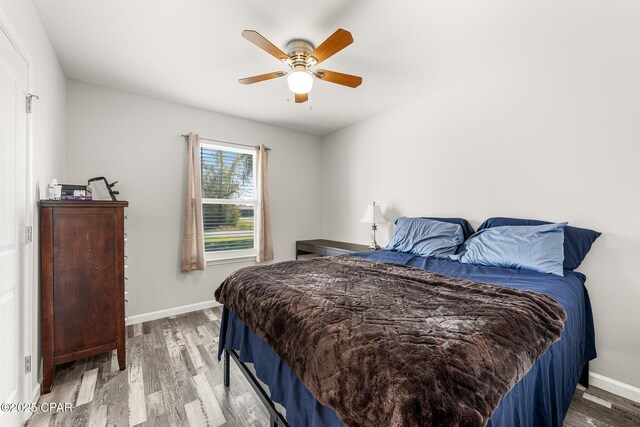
[(298, 47), (298, 50)]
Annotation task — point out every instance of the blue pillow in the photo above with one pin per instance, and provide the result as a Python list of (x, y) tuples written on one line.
[(538, 248), (577, 241), (426, 237), (467, 229)]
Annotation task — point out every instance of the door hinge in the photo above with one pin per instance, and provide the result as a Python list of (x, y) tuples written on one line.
[(27, 364), (29, 234), (29, 101)]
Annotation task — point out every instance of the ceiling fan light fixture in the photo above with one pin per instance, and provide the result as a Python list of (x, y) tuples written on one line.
[(300, 81)]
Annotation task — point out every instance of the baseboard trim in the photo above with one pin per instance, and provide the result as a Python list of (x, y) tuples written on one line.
[(35, 393), (154, 315), (35, 396), (614, 386)]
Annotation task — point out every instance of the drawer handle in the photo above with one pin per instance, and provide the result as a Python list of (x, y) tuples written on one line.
[(126, 292), (126, 318), (126, 217), (126, 301), (126, 266)]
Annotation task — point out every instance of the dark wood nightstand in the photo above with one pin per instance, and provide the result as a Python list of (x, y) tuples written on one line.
[(321, 247)]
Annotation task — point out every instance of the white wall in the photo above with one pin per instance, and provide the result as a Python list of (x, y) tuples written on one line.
[(48, 131), (556, 137), (49, 83), (136, 140)]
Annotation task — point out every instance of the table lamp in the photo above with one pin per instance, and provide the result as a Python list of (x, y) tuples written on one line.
[(373, 216)]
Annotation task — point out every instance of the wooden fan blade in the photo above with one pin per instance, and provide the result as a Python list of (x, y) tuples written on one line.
[(260, 78), (264, 44), (339, 78), (301, 97), (334, 44)]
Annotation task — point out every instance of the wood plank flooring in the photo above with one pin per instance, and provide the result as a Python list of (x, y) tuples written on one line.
[(174, 379)]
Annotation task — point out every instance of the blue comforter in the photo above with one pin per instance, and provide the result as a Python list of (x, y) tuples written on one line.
[(540, 398)]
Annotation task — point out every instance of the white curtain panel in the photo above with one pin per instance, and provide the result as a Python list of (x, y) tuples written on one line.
[(263, 234), (192, 237)]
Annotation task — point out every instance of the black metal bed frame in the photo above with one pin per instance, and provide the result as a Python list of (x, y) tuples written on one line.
[(275, 418), (584, 376)]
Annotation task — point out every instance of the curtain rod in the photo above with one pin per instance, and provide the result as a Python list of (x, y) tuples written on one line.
[(227, 142)]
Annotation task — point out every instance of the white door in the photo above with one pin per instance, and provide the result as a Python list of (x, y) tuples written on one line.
[(13, 189)]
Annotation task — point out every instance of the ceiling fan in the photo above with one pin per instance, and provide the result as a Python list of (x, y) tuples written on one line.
[(300, 57)]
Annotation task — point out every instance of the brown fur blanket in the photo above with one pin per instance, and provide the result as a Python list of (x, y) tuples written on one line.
[(390, 345)]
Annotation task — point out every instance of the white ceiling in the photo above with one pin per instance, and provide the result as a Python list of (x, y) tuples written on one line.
[(191, 51)]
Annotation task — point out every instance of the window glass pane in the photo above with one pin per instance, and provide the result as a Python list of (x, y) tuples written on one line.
[(228, 227), (227, 174)]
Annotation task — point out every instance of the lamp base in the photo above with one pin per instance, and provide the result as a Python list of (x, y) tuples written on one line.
[(374, 244)]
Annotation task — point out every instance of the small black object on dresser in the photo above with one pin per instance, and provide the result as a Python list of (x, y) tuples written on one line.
[(321, 247), (82, 264)]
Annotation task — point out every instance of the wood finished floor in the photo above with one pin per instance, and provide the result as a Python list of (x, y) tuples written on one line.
[(174, 379)]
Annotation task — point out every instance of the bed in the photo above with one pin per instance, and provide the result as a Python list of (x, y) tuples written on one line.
[(541, 397)]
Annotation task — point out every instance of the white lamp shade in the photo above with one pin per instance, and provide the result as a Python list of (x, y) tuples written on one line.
[(373, 215)]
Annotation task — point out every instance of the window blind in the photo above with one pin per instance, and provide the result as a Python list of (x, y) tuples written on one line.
[(228, 198)]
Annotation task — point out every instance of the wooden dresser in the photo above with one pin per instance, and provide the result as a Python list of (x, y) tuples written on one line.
[(82, 265)]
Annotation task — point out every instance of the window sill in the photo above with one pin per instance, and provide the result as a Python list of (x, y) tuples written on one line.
[(231, 260)]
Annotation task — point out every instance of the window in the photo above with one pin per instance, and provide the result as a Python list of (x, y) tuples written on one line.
[(228, 201)]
